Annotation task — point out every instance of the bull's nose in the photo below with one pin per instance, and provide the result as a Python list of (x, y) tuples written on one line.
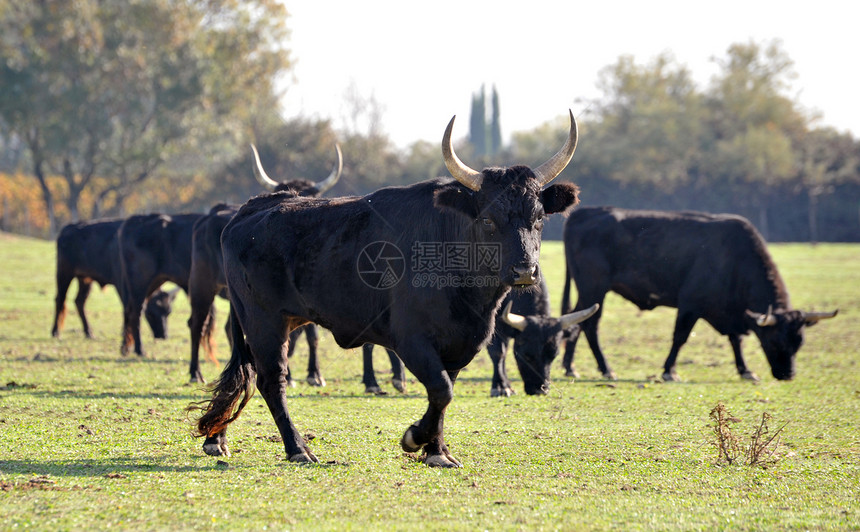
[(524, 275)]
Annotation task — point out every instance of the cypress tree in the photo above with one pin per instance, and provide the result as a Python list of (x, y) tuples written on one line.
[(478, 124), (495, 126)]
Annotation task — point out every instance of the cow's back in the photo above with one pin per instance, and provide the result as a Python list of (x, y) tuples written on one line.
[(89, 249), (293, 247), (157, 246)]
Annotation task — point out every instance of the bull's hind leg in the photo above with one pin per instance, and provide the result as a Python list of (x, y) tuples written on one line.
[(270, 355), (368, 375), (201, 318), (84, 286), (398, 380), (63, 282), (590, 327), (315, 377), (567, 359), (216, 445)]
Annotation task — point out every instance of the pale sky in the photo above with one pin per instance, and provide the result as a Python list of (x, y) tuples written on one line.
[(423, 60)]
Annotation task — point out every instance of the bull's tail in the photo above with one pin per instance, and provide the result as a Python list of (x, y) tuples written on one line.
[(565, 296), (232, 391)]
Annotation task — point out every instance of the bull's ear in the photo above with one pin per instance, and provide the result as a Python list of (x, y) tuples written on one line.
[(456, 199), (560, 197)]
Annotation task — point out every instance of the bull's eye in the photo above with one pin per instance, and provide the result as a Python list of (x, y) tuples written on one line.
[(488, 224), (539, 222)]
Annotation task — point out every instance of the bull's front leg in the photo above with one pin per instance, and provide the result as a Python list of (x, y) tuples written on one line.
[(501, 385), (428, 432), (745, 373)]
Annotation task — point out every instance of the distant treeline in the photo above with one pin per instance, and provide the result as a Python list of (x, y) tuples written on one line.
[(149, 106)]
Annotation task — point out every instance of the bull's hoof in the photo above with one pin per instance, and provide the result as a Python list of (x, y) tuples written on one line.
[(291, 383), (501, 391), (441, 460), (375, 390), (197, 379), (670, 376), (572, 373), (407, 442), (315, 380), (306, 457), (399, 385), (610, 376), (216, 449), (749, 376)]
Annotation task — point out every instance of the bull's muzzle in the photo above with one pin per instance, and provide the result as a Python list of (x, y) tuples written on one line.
[(524, 275)]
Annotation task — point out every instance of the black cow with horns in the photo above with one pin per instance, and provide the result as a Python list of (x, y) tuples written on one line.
[(153, 249), (206, 279), (713, 267), (88, 251), (290, 261), (537, 337)]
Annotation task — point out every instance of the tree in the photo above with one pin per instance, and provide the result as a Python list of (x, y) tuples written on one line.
[(478, 125), (106, 93), (485, 135), (827, 158), (756, 126), (495, 125)]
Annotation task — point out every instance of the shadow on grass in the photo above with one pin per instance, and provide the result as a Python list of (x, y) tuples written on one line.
[(111, 468), (76, 394), (95, 467)]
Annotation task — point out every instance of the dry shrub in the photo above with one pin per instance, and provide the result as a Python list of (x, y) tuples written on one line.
[(762, 447)]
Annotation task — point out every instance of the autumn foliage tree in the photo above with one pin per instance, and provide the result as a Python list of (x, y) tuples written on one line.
[(106, 94)]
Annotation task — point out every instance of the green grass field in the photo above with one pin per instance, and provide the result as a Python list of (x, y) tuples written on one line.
[(89, 439)]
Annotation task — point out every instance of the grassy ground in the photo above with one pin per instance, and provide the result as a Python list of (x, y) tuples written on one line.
[(89, 439)]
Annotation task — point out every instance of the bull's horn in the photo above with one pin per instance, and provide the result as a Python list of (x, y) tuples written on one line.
[(459, 171), (577, 317), (261, 174), (332, 178), (815, 317), (514, 320), (766, 320), (550, 169)]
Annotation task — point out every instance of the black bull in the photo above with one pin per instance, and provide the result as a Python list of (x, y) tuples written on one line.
[(206, 278), (87, 251), (711, 267), (290, 261), (537, 336), (153, 249)]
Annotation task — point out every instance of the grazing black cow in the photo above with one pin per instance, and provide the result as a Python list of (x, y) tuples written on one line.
[(87, 251), (713, 267), (153, 249), (537, 336), (206, 279), (339, 263)]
